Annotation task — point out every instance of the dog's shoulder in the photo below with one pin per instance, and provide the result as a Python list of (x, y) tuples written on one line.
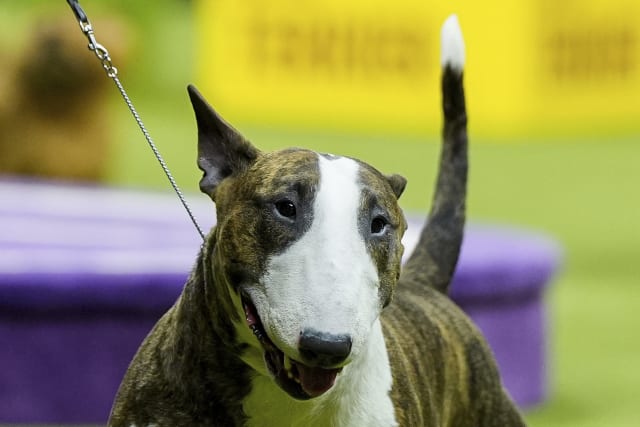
[(443, 371), (168, 384), (137, 402)]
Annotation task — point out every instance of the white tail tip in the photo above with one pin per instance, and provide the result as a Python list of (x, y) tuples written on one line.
[(452, 48)]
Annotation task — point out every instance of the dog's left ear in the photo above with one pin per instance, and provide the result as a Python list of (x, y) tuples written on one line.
[(222, 150), (397, 183)]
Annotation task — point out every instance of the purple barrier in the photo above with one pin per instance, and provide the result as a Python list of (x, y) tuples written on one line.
[(85, 273)]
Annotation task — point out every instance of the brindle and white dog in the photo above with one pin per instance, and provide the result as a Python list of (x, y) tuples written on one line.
[(296, 313)]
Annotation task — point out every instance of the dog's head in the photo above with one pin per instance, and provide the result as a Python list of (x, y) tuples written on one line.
[(309, 246)]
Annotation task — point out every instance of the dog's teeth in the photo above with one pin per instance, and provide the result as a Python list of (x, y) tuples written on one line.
[(257, 332), (288, 366)]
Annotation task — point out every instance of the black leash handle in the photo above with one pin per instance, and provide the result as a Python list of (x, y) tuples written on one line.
[(79, 12)]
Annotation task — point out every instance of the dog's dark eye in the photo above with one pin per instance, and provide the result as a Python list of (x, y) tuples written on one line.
[(378, 225), (286, 208)]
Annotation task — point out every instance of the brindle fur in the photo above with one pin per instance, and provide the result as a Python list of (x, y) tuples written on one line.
[(456, 382), (188, 371), (175, 378)]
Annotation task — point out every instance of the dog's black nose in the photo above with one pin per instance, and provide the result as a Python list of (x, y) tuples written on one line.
[(323, 349)]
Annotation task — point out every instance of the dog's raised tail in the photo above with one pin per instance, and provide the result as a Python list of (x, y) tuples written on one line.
[(436, 254)]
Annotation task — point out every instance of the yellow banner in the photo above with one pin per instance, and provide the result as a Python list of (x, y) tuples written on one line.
[(537, 66)]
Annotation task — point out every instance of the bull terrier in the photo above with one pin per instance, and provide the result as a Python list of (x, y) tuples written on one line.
[(297, 312)]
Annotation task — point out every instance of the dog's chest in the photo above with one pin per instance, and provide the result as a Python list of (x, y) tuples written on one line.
[(360, 397)]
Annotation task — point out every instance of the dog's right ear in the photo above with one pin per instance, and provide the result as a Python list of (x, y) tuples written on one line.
[(222, 151)]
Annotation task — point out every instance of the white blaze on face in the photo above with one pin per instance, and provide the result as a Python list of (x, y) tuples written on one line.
[(326, 280)]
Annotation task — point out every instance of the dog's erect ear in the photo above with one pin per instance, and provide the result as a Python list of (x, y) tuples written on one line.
[(222, 151), (397, 183)]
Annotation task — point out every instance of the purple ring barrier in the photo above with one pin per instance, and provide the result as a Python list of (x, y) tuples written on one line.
[(85, 272)]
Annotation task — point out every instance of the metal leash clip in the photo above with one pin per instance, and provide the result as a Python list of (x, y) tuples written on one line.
[(112, 72), (101, 52)]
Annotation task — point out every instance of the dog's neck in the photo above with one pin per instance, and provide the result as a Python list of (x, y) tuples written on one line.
[(205, 307), (200, 351), (360, 396)]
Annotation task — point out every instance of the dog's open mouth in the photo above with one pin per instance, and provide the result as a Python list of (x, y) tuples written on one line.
[(300, 381)]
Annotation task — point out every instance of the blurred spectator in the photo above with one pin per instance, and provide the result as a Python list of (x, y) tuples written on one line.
[(53, 102)]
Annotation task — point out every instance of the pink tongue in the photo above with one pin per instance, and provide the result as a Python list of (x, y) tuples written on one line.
[(316, 381)]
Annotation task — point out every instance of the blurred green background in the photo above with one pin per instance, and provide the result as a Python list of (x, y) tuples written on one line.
[(581, 190)]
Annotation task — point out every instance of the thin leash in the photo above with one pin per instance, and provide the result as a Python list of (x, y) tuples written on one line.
[(112, 72)]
